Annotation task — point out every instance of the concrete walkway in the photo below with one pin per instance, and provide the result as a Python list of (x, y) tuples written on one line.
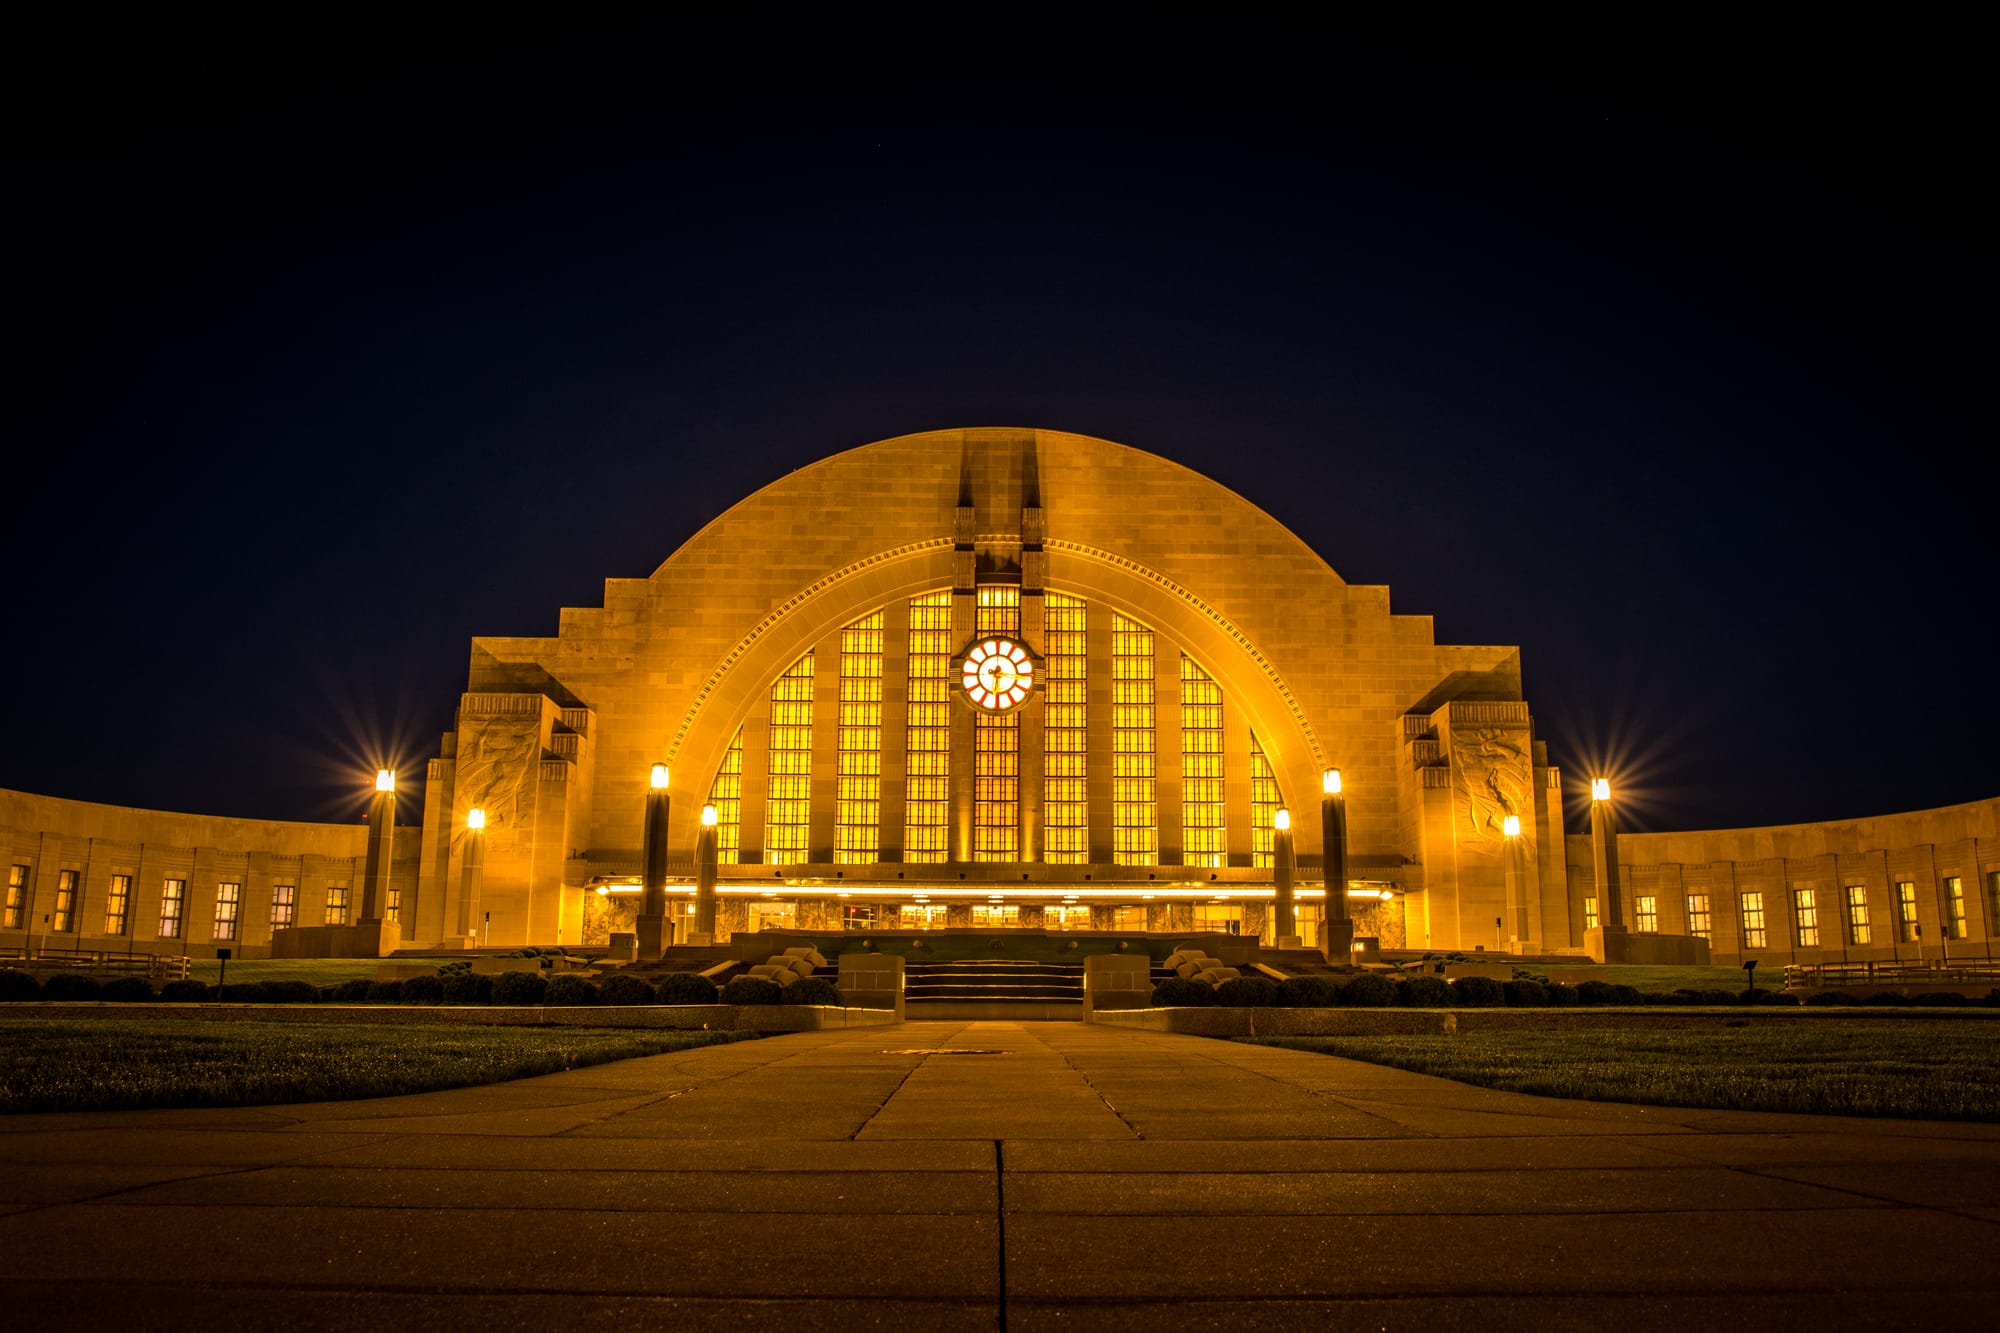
[(983, 1175)]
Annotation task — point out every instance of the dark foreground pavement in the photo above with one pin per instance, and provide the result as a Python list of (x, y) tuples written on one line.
[(982, 1175)]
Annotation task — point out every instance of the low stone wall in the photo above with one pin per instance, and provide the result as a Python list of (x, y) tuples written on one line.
[(1258, 1022), (712, 1017)]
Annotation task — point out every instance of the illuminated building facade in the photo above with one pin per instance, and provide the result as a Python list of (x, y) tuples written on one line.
[(1006, 679)]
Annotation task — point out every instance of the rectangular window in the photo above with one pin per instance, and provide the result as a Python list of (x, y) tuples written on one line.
[(336, 905), (1992, 901), (173, 898), (228, 900), (726, 795), (1201, 768), (857, 819), (1906, 911), (1752, 903), (1590, 913), (995, 917), (788, 807), (1954, 908), (1698, 921), (1805, 911), (1065, 799), (392, 911), (996, 746), (117, 902), (1264, 803), (1646, 913), (65, 913), (17, 896), (1134, 771), (1858, 931), (927, 732), (284, 902)]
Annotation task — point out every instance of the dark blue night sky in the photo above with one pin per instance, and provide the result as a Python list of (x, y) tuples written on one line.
[(1675, 375)]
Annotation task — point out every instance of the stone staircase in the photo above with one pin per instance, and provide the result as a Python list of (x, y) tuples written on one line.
[(994, 988)]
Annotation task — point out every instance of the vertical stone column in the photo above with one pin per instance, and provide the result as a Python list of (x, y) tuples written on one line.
[(471, 872), (1604, 859), (1282, 867), (1336, 931), (651, 925), (704, 883), (381, 840)]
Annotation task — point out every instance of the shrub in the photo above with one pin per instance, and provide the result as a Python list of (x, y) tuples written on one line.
[(1181, 993), (385, 992), (519, 988), (1885, 997), (180, 992), (1247, 993), (1594, 992), (422, 990), (1623, 994), (244, 992), (71, 986), (1478, 992), (566, 988), (752, 990), (290, 992), (1521, 993), (1308, 991), (813, 990), (685, 988), (1773, 997), (347, 992), (1424, 991), (1839, 997), (467, 987), (1948, 998), (1558, 996), (624, 988), (128, 990), (1368, 991), (16, 986), (1713, 996)]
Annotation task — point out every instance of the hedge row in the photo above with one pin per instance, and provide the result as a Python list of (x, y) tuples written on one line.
[(1425, 991), (454, 985)]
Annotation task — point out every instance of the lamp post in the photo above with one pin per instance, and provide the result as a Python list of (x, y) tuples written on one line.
[(375, 869), (1337, 926), (1281, 864), (1604, 853), (654, 936), (704, 883), (471, 870), (1516, 908)]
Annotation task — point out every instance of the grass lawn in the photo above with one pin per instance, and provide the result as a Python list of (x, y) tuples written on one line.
[(317, 971), (1913, 1069), (124, 1064)]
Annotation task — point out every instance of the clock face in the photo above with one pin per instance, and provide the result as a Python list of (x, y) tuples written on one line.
[(998, 675)]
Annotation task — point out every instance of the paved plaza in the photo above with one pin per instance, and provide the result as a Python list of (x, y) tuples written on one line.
[(943, 1175)]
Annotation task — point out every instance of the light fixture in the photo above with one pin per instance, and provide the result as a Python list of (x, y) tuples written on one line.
[(1282, 821), (659, 777), (708, 816), (604, 890), (1329, 782), (475, 818), (385, 779), (1600, 789), (1511, 826)]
